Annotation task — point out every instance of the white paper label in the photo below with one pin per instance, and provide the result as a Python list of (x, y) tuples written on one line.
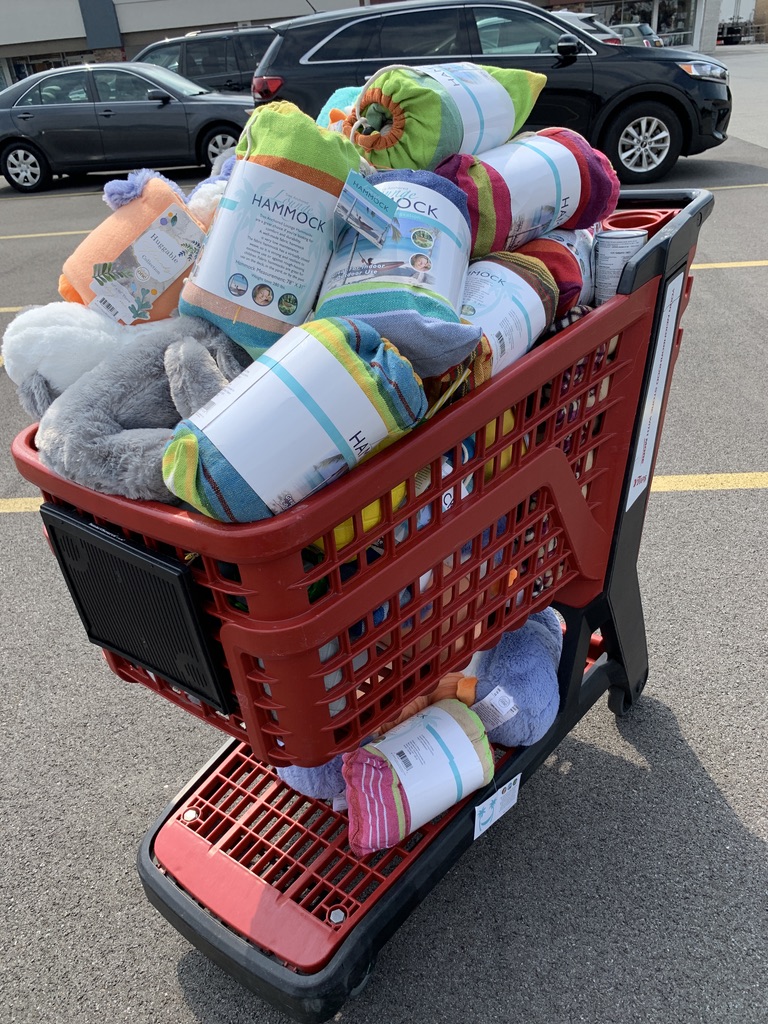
[(580, 244), (435, 761), (495, 806), (651, 416), (127, 287), (506, 308), (485, 107), (269, 243), (496, 708), (427, 248), (544, 183), (292, 421)]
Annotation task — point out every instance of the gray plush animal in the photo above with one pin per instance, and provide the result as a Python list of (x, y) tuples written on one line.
[(108, 429)]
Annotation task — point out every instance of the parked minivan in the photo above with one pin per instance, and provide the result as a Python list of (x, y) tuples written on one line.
[(224, 61)]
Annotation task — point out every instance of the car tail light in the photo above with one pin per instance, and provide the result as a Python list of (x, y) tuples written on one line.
[(615, 42), (264, 87), (647, 42)]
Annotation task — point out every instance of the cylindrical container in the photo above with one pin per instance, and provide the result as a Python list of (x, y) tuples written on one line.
[(612, 251)]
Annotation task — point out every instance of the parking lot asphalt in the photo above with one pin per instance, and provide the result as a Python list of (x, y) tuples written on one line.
[(628, 886)]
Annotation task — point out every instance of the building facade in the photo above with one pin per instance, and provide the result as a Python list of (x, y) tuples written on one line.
[(39, 34)]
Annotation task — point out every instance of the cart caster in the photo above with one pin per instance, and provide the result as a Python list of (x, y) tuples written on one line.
[(621, 700), (363, 979)]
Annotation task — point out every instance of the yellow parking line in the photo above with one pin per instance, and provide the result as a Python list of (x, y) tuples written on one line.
[(694, 482), (726, 266), (711, 482)]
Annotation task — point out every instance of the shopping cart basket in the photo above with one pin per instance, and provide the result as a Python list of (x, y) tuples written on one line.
[(300, 635)]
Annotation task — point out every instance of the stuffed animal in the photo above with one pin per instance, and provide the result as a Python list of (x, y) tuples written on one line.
[(512, 687), (46, 348), (108, 429)]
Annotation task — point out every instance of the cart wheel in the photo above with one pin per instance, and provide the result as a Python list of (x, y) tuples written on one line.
[(620, 700), (362, 979)]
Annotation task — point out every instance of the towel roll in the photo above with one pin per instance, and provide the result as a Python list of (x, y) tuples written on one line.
[(411, 288), (531, 186), (567, 255), (326, 395), (418, 770), (418, 116), (267, 249)]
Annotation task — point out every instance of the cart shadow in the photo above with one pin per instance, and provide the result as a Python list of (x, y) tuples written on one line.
[(621, 888)]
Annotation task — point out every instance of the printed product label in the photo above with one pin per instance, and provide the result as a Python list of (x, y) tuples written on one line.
[(495, 806), (485, 107), (269, 243), (292, 421), (580, 243), (651, 416), (544, 182), (127, 287), (435, 761), (426, 247), (365, 208), (506, 308), (496, 708)]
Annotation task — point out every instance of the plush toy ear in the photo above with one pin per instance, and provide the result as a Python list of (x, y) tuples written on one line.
[(193, 375)]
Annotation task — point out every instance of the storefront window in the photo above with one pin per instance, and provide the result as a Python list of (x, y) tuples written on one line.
[(674, 20)]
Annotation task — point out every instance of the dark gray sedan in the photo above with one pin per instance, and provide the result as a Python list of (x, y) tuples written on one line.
[(111, 117)]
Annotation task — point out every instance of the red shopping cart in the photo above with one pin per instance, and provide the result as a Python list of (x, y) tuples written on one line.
[(299, 636)]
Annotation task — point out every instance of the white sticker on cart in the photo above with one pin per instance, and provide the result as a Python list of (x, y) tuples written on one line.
[(495, 806), (435, 760), (650, 420)]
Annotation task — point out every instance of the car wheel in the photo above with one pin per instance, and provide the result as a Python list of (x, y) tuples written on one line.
[(25, 168), (643, 142), (215, 142)]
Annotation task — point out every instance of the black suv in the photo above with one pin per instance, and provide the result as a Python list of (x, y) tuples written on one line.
[(223, 61), (642, 107)]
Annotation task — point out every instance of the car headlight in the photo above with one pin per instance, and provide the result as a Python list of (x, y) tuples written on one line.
[(705, 69)]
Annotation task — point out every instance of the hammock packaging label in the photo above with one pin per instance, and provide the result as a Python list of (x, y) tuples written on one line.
[(269, 243), (321, 421), (544, 182), (364, 208), (435, 760), (506, 308), (580, 244), (427, 246), (127, 287), (486, 109)]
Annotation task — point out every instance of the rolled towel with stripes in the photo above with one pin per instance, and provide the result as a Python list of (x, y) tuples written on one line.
[(416, 771), (410, 288), (532, 185), (325, 395), (567, 255), (265, 254), (418, 116)]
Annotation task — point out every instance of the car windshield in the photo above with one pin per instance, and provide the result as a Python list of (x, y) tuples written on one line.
[(176, 82)]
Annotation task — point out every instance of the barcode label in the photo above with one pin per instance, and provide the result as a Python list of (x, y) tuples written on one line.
[(404, 758), (502, 343), (107, 305)]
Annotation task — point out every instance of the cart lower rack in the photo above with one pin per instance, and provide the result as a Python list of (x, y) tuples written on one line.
[(299, 636)]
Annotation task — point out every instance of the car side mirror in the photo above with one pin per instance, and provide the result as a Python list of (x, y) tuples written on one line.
[(568, 45), (159, 96)]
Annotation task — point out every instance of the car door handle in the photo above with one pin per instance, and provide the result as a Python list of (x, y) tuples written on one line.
[(25, 116), (108, 112)]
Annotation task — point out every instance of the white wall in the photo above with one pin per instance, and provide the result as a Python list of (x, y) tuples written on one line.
[(140, 15), (32, 21)]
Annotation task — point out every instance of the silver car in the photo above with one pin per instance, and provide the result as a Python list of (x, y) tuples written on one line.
[(111, 117)]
